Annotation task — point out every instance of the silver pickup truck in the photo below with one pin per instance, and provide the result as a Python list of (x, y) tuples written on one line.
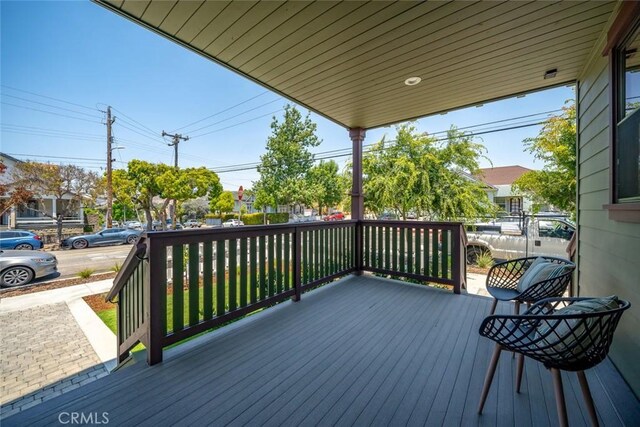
[(509, 240)]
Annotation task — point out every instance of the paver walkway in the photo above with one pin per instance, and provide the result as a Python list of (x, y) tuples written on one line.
[(44, 353)]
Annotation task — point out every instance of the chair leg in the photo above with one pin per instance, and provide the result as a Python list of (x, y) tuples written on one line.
[(560, 403), (493, 307), (517, 309), (519, 369), (584, 385), (489, 378)]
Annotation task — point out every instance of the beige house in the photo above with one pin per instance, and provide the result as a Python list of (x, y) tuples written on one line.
[(500, 179)]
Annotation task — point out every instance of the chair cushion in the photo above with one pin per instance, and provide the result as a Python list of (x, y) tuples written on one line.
[(540, 271), (563, 334)]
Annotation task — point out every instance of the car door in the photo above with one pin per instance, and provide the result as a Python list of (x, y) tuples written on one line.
[(109, 237), (552, 237), (7, 239)]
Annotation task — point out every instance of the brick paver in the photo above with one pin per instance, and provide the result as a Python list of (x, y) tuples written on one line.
[(44, 353)]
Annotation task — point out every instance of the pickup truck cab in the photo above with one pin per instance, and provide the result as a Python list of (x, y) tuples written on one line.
[(509, 240)]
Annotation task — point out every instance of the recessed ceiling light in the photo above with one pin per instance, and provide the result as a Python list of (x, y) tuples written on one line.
[(412, 81), (549, 74)]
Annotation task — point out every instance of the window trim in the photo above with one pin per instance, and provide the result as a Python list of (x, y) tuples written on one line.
[(626, 22)]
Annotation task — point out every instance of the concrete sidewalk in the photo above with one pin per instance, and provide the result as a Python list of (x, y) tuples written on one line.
[(52, 342)]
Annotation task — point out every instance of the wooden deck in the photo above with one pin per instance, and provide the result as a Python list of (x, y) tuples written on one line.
[(362, 351)]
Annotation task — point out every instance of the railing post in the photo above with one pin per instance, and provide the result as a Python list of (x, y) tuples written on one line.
[(155, 300), (459, 262), (297, 263), (358, 247)]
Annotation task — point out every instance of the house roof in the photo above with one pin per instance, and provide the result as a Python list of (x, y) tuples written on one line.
[(348, 61), (504, 175)]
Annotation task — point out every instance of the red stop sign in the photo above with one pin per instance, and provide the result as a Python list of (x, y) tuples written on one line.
[(240, 192)]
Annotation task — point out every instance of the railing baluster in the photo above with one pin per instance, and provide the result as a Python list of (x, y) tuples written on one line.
[(177, 263), (410, 249), (243, 272), (287, 262), (272, 273), (194, 284), (262, 282), (207, 280), (253, 255), (434, 252), (220, 279), (304, 247), (418, 258), (279, 255), (444, 270), (233, 272), (402, 249)]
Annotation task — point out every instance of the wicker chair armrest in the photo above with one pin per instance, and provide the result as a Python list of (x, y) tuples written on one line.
[(506, 274)]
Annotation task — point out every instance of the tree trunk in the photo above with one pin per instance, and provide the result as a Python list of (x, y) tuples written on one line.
[(59, 228)]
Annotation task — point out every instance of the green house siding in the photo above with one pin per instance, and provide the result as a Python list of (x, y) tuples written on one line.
[(608, 251)]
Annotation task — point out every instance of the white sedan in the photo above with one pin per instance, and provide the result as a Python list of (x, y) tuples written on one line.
[(232, 223)]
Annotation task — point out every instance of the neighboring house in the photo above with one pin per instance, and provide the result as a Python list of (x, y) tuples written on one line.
[(247, 201), (500, 180), (31, 215)]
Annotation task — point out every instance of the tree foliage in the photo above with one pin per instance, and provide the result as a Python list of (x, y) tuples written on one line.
[(142, 181), (10, 194), (555, 145), (71, 186), (283, 168), (224, 203), (327, 185), (420, 174)]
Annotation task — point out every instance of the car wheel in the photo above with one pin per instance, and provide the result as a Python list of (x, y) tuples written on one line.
[(16, 276), (24, 247), (80, 244), (473, 252), (132, 239)]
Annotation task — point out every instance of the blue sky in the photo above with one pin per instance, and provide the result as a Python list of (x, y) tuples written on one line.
[(82, 54)]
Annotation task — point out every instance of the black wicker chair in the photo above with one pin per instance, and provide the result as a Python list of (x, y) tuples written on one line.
[(570, 342), (503, 278)]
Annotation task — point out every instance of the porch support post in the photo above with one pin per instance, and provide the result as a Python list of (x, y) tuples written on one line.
[(357, 199)]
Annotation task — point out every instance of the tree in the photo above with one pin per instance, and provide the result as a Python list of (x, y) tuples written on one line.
[(196, 208), (11, 195), (142, 181), (555, 145), (70, 186), (326, 184), (283, 168), (429, 177), (224, 203)]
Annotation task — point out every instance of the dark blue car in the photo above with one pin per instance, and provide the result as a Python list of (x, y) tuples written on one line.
[(19, 239)]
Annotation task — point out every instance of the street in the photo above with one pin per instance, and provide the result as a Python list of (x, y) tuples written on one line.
[(101, 259)]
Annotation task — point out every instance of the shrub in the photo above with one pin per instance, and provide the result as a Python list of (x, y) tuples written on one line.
[(86, 273), (116, 267), (484, 260), (278, 218), (252, 219)]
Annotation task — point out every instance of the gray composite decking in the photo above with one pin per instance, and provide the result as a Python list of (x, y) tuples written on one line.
[(362, 351)]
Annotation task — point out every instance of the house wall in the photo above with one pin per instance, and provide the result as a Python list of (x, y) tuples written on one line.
[(608, 251)]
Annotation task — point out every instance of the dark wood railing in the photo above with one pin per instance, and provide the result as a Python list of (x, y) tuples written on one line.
[(174, 285)]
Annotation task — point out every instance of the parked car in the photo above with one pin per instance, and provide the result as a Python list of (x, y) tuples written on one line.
[(135, 225), (336, 216), (21, 267), (20, 240), (108, 236), (232, 223), (192, 223), (387, 216)]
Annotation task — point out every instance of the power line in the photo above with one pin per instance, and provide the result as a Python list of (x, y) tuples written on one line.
[(49, 97), (234, 116), (237, 124), (51, 130), (223, 111), (148, 129), (49, 112), (49, 105)]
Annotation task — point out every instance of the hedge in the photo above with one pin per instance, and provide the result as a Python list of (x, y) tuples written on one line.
[(254, 218)]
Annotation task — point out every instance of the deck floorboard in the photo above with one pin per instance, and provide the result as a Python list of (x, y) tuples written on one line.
[(362, 351)]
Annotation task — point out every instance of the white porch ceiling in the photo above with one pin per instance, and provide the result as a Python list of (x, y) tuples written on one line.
[(348, 60)]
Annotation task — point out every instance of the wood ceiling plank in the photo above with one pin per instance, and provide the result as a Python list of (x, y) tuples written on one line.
[(494, 52), (408, 105), (202, 17), (255, 31), (157, 12), (407, 30), (179, 16), (568, 55), (221, 23), (135, 7), (339, 32), (436, 55), (309, 21)]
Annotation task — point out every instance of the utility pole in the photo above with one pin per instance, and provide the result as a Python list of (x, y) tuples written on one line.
[(176, 140), (110, 122)]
